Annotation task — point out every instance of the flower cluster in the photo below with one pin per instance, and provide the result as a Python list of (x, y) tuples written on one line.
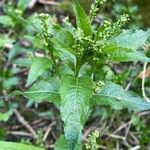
[(83, 44), (44, 18), (92, 141), (98, 86), (95, 8), (110, 29), (11, 10), (44, 23), (78, 46), (106, 30), (120, 23)]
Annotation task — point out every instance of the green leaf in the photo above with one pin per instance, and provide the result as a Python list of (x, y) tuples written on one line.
[(62, 144), (10, 82), (17, 49), (118, 98), (6, 21), (33, 24), (127, 56), (63, 35), (69, 27), (23, 62), (61, 46), (85, 70), (66, 54), (37, 41), (17, 146), (110, 48), (75, 97), (82, 20), (123, 47), (44, 90), (38, 67), (5, 116), (131, 40), (14, 93), (23, 4), (5, 40)]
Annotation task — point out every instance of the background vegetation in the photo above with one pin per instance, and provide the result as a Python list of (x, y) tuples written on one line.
[(21, 120)]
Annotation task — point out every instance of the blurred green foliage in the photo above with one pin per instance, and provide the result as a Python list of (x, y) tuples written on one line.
[(11, 63)]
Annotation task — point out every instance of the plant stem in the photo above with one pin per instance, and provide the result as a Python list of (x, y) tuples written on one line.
[(93, 65), (77, 68), (54, 61), (50, 47)]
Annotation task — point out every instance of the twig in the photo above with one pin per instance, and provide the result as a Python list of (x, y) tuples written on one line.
[(143, 83), (102, 147), (15, 127), (54, 135), (20, 133), (113, 135), (48, 2), (134, 138), (22, 120), (32, 3), (116, 136), (143, 113), (35, 122), (48, 130), (124, 126), (111, 121), (128, 85), (121, 127), (25, 123), (125, 143), (94, 127), (136, 147), (128, 129), (117, 145)]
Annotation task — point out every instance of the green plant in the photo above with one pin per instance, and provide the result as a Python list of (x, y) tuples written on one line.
[(129, 7), (17, 146), (74, 71), (13, 20), (12, 14), (83, 79)]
